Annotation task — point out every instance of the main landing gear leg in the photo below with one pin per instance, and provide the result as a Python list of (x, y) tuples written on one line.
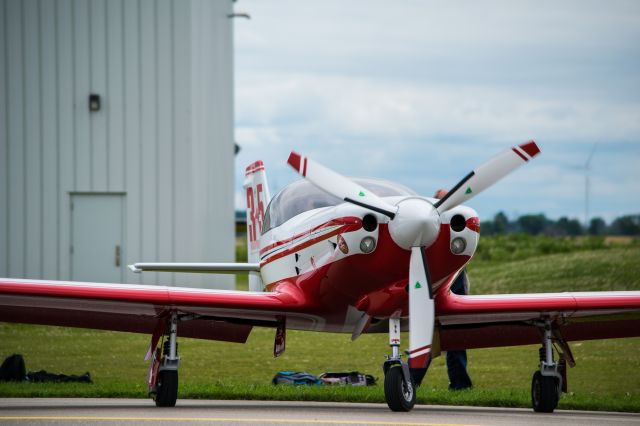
[(166, 392), (546, 384), (399, 390)]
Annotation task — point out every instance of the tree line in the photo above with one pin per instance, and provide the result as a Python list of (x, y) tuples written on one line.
[(536, 224)]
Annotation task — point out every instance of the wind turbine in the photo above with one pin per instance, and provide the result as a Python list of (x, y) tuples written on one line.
[(587, 169)]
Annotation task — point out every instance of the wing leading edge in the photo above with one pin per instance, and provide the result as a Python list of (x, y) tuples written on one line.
[(507, 320), (217, 314)]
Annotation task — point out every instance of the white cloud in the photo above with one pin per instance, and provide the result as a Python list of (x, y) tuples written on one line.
[(421, 92)]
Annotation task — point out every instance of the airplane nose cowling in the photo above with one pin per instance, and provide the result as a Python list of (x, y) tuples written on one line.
[(416, 224)]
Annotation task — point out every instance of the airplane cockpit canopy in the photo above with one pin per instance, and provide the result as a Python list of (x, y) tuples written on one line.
[(302, 196)]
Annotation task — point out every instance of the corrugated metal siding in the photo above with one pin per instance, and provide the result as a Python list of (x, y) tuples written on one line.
[(164, 135)]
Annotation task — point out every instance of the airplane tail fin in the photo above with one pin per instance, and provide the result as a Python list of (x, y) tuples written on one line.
[(257, 196)]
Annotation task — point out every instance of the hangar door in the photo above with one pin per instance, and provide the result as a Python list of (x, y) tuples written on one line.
[(97, 236)]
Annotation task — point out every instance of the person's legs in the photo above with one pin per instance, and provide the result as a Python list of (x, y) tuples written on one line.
[(457, 370)]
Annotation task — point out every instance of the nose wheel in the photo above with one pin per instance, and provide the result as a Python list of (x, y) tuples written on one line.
[(399, 388), (398, 392)]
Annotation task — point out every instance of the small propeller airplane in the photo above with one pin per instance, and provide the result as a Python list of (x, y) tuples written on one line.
[(335, 254)]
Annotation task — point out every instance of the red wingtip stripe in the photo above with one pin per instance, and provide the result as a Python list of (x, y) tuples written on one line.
[(294, 161), (514, 149), (530, 148)]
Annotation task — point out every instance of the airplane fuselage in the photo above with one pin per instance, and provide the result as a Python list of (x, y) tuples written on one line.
[(344, 263)]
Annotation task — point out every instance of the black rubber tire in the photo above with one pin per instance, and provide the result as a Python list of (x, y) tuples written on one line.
[(544, 393), (167, 390), (400, 396)]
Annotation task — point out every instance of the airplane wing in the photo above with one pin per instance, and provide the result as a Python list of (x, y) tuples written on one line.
[(506, 320), (212, 314)]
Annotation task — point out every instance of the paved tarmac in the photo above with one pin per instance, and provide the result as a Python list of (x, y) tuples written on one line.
[(90, 411)]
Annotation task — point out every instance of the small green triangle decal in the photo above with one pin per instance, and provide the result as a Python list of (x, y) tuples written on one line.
[(418, 285), (361, 194), (468, 191)]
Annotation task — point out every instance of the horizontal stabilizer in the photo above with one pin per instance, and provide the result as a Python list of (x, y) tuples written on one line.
[(219, 268)]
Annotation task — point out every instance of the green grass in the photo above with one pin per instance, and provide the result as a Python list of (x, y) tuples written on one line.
[(216, 370), (605, 378), (615, 268)]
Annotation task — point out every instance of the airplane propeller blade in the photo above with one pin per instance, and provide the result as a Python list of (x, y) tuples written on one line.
[(338, 185), (487, 174), (421, 313)]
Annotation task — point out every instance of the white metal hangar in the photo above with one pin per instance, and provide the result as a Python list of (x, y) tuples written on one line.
[(116, 138)]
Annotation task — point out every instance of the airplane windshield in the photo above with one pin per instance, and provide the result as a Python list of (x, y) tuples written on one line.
[(302, 196)]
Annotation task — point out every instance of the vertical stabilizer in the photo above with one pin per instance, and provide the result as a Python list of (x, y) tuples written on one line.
[(257, 196)]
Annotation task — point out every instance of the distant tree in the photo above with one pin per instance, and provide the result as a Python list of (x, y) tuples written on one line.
[(500, 223), (597, 226), (532, 223), (626, 225), (567, 226), (488, 227)]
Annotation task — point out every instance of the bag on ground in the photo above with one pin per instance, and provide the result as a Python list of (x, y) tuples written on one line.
[(353, 378), (13, 369), (295, 378)]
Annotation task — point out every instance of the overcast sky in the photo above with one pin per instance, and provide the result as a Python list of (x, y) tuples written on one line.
[(422, 92)]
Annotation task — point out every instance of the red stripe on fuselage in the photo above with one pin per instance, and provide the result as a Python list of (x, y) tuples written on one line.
[(312, 241), (348, 220)]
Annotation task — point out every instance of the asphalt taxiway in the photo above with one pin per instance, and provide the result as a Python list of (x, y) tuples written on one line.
[(90, 411)]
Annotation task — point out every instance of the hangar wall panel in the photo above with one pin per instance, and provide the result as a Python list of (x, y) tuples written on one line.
[(163, 136)]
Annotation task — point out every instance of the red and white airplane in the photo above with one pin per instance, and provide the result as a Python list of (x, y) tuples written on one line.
[(335, 254)]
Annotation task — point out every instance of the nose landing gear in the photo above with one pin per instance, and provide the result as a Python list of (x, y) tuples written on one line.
[(399, 388)]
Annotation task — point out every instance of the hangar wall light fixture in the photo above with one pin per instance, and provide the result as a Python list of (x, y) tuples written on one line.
[(94, 102)]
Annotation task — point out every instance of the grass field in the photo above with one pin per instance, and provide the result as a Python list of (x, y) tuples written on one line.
[(606, 377)]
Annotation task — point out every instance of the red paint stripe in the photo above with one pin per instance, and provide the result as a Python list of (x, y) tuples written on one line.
[(304, 168), (473, 223), (348, 220), (519, 154), (287, 252), (530, 148), (258, 163), (419, 349), (252, 171), (254, 167), (419, 361), (294, 161)]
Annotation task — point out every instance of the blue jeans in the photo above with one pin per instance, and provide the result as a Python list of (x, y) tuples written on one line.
[(457, 360)]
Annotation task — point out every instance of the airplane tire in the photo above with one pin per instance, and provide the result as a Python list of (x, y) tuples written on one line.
[(167, 391), (544, 393), (400, 395)]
